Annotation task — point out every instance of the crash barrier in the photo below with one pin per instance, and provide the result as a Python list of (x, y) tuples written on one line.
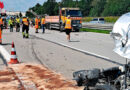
[(13, 59)]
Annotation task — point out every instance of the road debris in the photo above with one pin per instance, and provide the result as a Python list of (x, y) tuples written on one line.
[(34, 77)]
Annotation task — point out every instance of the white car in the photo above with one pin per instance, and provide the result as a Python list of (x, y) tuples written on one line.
[(98, 20)]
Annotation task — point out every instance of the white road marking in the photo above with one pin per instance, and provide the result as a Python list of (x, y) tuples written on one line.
[(5, 53), (84, 51)]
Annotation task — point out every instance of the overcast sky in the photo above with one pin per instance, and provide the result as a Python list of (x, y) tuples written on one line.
[(20, 5)]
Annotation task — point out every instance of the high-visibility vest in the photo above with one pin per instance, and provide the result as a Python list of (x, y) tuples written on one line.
[(1, 21), (36, 23), (17, 20), (68, 24), (25, 21), (43, 21), (39, 20), (10, 22)]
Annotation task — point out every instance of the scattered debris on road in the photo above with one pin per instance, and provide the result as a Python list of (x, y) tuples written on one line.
[(34, 76)]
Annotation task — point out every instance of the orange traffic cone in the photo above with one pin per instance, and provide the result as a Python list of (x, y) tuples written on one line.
[(13, 59), (0, 36)]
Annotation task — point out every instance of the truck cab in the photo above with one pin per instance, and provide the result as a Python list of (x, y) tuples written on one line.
[(75, 15)]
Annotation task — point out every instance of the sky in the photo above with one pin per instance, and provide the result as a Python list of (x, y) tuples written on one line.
[(20, 5)]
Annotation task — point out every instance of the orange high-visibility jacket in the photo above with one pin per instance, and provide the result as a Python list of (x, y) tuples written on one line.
[(36, 23), (43, 21), (25, 21), (1, 21), (68, 24), (39, 20)]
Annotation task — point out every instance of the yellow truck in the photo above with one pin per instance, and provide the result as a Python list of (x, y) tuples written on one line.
[(58, 22)]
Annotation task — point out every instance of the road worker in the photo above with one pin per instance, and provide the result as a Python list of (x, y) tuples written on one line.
[(36, 25), (39, 23), (17, 24), (1, 27), (25, 24), (11, 24), (1, 23), (43, 24), (68, 27)]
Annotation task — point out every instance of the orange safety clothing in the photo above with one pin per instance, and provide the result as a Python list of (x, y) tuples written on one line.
[(25, 21), (36, 23), (43, 21), (68, 24), (39, 20), (1, 21), (0, 36)]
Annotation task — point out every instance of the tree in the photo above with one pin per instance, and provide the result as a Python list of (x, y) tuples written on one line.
[(28, 14), (97, 7), (85, 7), (88, 7), (116, 7), (20, 14)]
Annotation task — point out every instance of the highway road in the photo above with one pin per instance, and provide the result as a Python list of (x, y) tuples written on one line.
[(55, 52)]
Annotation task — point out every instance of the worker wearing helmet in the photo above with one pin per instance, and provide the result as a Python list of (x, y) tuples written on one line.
[(43, 24), (11, 24), (1, 23), (17, 24), (36, 25), (68, 27), (25, 23)]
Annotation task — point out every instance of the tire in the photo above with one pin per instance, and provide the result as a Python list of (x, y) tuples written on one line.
[(104, 87), (61, 28), (50, 27), (79, 82), (77, 30)]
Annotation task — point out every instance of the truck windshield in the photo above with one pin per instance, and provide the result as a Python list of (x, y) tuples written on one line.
[(74, 13)]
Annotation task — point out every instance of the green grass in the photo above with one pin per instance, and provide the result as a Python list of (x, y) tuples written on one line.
[(95, 30)]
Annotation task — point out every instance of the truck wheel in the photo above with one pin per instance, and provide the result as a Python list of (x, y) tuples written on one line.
[(77, 30), (61, 28), (49, 27)]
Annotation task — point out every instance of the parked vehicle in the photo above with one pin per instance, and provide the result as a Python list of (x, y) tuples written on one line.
[(98, 20), (59, 21)]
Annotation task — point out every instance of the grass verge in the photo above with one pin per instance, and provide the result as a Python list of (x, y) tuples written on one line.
[(95, 30)]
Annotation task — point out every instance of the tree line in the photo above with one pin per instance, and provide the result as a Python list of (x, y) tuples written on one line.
[(91, 8)]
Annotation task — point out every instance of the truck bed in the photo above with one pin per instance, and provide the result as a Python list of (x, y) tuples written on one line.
[(52, 19)]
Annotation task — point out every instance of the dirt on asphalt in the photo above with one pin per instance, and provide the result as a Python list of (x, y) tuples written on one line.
[(34, 77)]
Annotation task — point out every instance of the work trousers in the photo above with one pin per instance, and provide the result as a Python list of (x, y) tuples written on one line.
[(17, 27), (25, 28), (43, 28), (11, 28)]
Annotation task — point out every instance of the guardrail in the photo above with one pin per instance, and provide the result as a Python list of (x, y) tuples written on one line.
[(105, 26)]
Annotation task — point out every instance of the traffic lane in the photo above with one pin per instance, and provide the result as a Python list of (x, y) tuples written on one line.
[(99, 44), (65, 60), (58, 58), (22, 46)]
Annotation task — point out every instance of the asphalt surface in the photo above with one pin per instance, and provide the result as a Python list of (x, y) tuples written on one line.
[(41, 49), (92, 43)]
